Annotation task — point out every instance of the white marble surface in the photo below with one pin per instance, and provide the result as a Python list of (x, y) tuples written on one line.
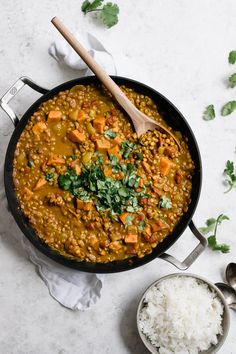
[(183, 46)]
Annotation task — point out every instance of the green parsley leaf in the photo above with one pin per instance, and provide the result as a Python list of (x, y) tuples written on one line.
[(232, 57), (30, 163), (165, 203), (231, 177), (232, 80), (49, 177), (209, 112), (141, 225), (88, 6), (109, 134), (211, 225), (109, 14), (114, 159), (228, 108)]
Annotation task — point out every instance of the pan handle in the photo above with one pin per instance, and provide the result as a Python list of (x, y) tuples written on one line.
[(13, 90), (192, 256)]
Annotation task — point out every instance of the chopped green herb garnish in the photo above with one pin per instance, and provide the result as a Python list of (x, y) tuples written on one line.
[(142, 225), (211, 225), (126, 148), (49, 177), (209, 112), (165, 203), (109, 194), (232, 57), (228, 108), (129, 220), (109, 134), (30, 163), (231, 177), (73, 157), (232, 80), (108, 12), (139, 156)]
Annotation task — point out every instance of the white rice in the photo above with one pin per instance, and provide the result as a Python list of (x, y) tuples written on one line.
[(181, 315)]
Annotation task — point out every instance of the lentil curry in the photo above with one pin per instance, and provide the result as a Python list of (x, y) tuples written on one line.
[(90, 188)]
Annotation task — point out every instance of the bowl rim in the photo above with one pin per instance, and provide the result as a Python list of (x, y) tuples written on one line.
[(225, 317)]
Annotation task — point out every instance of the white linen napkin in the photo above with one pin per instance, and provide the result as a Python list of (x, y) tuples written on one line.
[(73, 289)]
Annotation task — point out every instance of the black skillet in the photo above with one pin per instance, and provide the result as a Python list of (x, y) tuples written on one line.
[(171, 115)]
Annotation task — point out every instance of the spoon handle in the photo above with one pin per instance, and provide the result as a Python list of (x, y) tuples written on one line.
[(94, 66)]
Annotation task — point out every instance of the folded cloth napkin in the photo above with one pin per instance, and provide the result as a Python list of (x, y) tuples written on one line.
[(73, 289)]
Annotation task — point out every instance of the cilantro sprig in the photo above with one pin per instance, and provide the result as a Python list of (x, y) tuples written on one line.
[(211, 226), (230, 173), (108, 12), (228, 108), (165, 203), (232, 57)]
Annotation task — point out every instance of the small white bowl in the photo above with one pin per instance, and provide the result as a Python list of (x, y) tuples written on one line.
[(225, 321)]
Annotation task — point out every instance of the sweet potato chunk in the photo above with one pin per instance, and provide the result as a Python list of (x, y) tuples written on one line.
[(102, 144), (99, 124), (165, 166), (76, 136), (54, 116), (55, 160), (28, 194), (81, 116), (159, 225), (123, 217), (115, 151), (107, 171), (115, 246), (41, 182), (39, 127), (118, 140), (131, 238), (84, 205)]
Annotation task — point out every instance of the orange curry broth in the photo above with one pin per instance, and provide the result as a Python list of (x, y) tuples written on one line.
[(142, 186)]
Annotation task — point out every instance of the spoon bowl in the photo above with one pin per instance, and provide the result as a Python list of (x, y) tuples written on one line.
[(231, 274), (229, 294)]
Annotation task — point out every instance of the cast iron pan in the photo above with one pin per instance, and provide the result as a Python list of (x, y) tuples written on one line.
[(172, 116)]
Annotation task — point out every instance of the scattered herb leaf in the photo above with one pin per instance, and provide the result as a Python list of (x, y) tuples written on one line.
[(228, 108), (211, 226), (30, 163), (232, 80), (88, 6), (126, 148), (165, 203), (139, 156), (209, 112), (129, 220), (49, 177), (142, 225), (108, 12), (232, 57), (231, 177), (110, 134)]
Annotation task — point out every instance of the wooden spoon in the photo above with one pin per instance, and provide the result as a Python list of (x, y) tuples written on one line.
[(141, 122)]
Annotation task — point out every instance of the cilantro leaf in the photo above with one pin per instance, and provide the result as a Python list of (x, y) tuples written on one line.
[(126, 148), (88, 6), (232, 57), (30, 163), (49, 177), (141, 225), (228, 108), (129, 220), (110, 134), (211, 225), (231, 177), (209, 112), (232, 80), (109, 14), (165, 203)]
